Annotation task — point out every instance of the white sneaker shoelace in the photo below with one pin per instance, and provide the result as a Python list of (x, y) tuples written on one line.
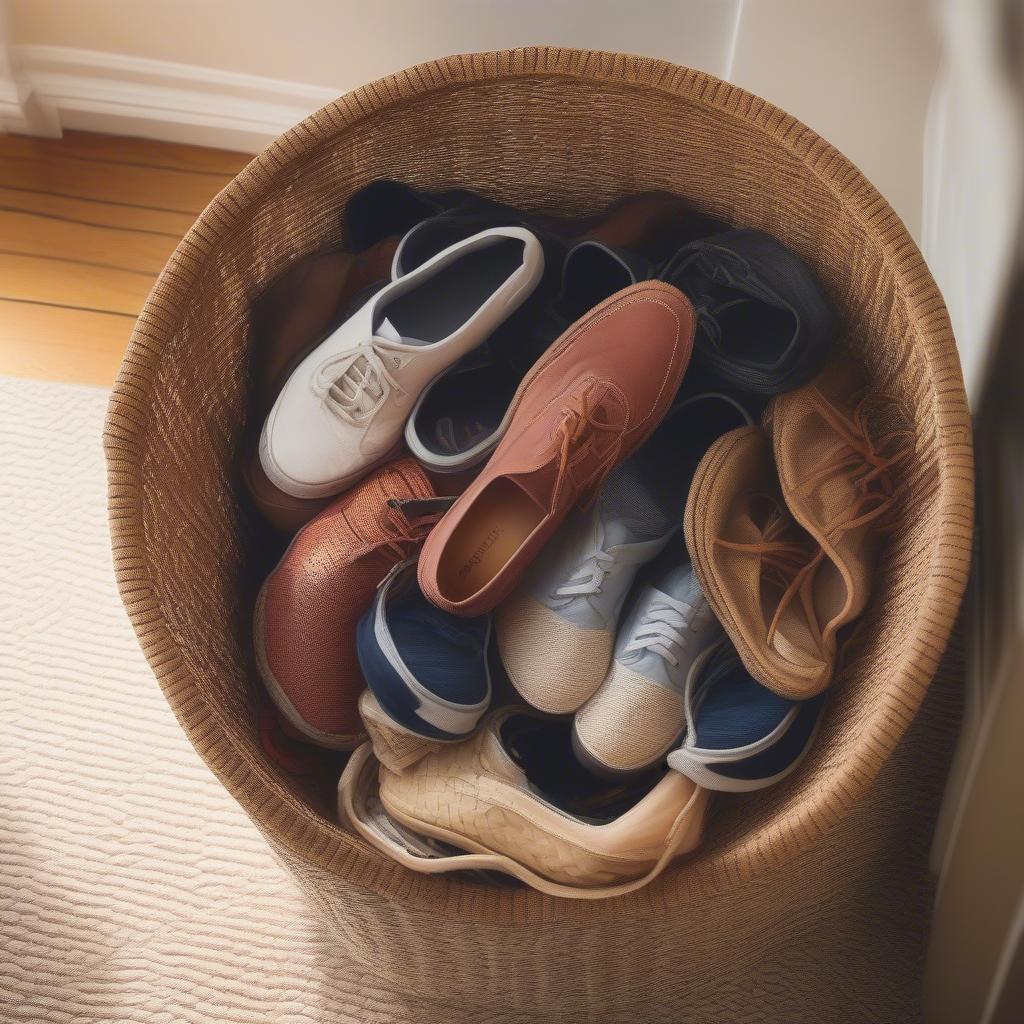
[(588, 577), (665, 626), (355, 384)]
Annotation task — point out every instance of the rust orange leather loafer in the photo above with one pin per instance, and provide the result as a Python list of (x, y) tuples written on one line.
[(592, 399)]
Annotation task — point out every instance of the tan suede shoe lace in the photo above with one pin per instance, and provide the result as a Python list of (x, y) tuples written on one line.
[(788, 558), (865, 460)]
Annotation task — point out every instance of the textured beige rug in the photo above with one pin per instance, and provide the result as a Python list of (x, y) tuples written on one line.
[(132, 888)]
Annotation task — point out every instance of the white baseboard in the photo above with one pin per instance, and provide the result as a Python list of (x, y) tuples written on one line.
[(54, 87)]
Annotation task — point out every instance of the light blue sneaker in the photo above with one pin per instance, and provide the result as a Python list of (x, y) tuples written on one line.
[(556, 633), (428, 669), (637, 716), (740, 736)]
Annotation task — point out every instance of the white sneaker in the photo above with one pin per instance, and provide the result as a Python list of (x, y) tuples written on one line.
[(343, 409), (638, 714), (556, 632)]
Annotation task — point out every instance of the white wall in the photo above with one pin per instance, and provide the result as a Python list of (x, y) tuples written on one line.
[(344, 43), (973, 194), (857, 72)]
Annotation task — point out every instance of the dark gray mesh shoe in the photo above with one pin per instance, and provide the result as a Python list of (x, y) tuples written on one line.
[(763, 322)]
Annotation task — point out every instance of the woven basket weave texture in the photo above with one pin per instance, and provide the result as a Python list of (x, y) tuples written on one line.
[(823, 873)]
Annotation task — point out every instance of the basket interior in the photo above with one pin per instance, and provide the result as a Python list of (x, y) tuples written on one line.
[(556, 144)]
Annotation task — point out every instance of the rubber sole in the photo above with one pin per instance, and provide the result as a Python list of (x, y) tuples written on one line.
[(285, 483)]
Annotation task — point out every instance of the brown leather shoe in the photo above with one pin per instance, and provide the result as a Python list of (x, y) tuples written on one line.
[(594, 397), (304, 627), (756, 566), (836, 446), (289, 317)]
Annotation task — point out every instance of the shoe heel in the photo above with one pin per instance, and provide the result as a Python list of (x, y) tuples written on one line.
[(395, 747)]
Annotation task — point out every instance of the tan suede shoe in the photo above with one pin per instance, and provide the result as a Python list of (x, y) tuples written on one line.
[(756, 566), (478, 796), (835, 447), (592, 399)]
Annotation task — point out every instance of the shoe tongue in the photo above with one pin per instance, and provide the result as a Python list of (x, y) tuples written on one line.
[(387, 330), (679, 584)]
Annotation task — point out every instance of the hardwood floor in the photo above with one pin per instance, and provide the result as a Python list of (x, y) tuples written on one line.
[(86, 224)]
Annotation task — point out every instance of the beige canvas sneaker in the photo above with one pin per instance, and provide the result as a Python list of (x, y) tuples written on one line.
[(484, 796)]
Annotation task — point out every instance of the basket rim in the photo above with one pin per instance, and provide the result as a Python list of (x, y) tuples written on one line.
[(291, 824)]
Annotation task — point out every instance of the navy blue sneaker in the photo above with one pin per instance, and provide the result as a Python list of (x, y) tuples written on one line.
[(428, 669), (740, 736)]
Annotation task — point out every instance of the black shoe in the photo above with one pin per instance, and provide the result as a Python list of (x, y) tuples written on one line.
[(592, 272), (386, 209), (763, 322)]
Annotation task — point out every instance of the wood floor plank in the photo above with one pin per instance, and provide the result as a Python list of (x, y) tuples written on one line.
[(97, 212), (158, 189), (30, 234), (125, 150), (49, 343), (64, 283), (86, 224)]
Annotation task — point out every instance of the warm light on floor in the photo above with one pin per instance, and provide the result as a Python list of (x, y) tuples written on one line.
[(86, 224)]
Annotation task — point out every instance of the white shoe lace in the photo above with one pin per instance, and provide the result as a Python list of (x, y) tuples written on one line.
[(355, 383), (588, 577), (664, 627)]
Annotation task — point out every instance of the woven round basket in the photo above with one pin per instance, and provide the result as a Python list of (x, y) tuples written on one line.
[(805, 901)]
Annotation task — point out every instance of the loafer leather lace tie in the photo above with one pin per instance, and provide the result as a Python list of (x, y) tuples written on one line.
[(582, 464), (868, 463), (788, 561)]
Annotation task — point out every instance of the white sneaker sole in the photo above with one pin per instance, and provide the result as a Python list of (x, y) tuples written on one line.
[(297, 489)]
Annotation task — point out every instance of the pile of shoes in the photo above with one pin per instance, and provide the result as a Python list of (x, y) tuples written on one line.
[(478, 437)]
